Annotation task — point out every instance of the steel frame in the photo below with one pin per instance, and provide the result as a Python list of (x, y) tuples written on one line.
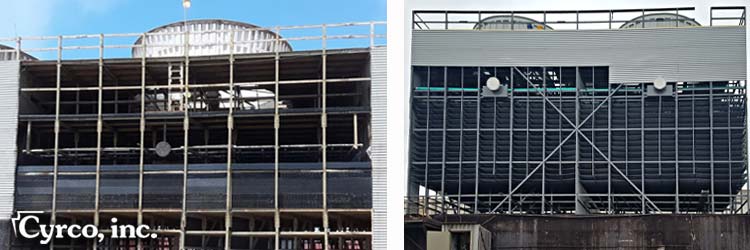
[(434, 199), (229, 211)]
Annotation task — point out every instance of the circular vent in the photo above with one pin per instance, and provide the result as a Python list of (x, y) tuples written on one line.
[(493, 83), (660, 83), (163, 148)]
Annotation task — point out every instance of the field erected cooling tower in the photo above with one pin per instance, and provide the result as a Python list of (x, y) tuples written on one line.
[(214, 133), (562, 113)]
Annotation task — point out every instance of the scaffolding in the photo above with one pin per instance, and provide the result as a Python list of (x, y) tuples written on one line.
[(237, 151)]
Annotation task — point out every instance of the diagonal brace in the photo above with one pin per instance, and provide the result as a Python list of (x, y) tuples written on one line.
[(575, 129)]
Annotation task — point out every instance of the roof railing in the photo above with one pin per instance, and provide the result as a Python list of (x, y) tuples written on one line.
[(573, 19), (728, 15), (120, 45)]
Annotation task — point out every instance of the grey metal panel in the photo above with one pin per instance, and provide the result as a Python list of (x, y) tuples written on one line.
[(9, 77), (633, 55), (378, 151), (5, 229)]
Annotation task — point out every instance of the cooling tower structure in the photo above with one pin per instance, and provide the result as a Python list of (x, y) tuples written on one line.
[(646, 118), (606, 124), (209, 37), (510, 22), (240, 143), (660, 20), (8, 53)]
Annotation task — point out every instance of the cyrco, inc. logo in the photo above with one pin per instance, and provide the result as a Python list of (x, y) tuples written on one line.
[(27, 225)]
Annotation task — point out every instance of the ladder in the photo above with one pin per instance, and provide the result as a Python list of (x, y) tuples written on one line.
[(176, 76)]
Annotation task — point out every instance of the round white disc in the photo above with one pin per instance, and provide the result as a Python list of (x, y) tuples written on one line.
[(493, 83), (660, 83)]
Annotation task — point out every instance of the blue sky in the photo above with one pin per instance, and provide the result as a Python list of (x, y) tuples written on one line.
[(63, 17)]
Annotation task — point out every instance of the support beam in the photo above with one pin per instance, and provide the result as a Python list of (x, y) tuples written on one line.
[(324, 130), (276, 122), (99, 135), (230, 143), (575, 131), (142, 139), (53, 216)]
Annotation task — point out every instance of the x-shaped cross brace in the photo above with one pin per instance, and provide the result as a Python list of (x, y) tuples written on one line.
[(576, 130)]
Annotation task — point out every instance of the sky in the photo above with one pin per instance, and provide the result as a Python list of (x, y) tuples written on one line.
[(68, 17)]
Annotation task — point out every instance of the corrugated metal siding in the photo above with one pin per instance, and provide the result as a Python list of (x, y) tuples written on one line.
[(9, 77), (633, 55), (378, 155)]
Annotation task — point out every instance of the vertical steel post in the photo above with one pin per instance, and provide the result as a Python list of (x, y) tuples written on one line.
[(445, 123), (53, 216), (609, 145), (277, 214), (446, 20), (476, 159), (579, 186), (230, 148), (356, 131), (527, 144), (730, 162), (494, 132), (677, 147), (510, 145), (544, 138), (460, 140), (711, 142), (659, 132), (142, 129), (324, 145), (372, 34), (28, 137), (643, 152), (427, 143), (18, 48), (99, 134), (185, 129)]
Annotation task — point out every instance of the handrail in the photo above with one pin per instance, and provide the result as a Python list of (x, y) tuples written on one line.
[(566, 19), (362, 34)]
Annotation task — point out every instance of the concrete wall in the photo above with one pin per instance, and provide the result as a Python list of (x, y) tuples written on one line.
[(639, 232), (633, 55)]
